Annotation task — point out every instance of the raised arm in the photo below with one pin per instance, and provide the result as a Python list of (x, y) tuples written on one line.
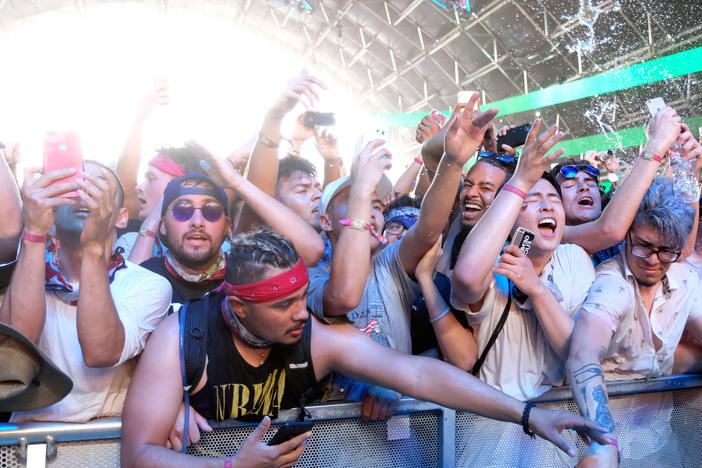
[(462, 140), (591, 338), (11, 226), (611, 227), (473, 272), (100, 330), (341, 348), (328, 147), (457, 344), (130, 158), (279, 217), (351, 257), (24, 306), (263, 163), (404, 184)]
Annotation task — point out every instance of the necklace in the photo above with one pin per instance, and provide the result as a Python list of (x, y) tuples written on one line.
[(261, 355)]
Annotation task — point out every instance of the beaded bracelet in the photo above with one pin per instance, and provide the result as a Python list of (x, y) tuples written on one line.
[(362, 225)]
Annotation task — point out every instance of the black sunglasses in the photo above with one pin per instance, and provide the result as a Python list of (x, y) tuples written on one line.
[(183, 210), (571, 171)]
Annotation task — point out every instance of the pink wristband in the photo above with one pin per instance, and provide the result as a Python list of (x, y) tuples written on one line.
[(228, 462), (511, 188), (33, 237), (419, 161)]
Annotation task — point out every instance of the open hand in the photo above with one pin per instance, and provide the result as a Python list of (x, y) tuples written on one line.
[(304, 89), (549, 425), (533, 161), (466, 133), (254, 453)]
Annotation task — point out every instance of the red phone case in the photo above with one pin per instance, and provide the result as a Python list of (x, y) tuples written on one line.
[(63, 150)]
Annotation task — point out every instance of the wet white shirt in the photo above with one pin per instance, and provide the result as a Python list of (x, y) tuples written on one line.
[(616, 300), (522, 363), (142, 299)]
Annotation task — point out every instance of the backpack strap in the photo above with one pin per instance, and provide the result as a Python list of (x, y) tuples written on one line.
[(193, 352), (495, 333)]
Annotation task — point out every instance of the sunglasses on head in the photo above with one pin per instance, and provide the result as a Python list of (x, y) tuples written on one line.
[(505, 158), (183, 210), (571, 171)]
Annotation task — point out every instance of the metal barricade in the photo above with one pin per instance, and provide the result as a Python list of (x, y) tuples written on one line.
[(421, 434)]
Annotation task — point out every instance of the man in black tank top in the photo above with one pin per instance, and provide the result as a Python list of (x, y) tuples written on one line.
[(252, 332)]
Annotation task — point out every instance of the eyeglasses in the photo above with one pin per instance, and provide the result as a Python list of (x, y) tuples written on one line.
[(394, 229), (505, 158), (571, 171), (183, 210), (664, 256)]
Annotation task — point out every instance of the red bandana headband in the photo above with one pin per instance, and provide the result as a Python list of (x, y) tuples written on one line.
[(271, 289), (167, 165)]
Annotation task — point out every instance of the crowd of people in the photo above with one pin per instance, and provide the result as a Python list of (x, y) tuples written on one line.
[(246, 286)]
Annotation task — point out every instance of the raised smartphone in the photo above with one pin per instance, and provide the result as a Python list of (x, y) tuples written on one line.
[(63, 150), (655, 104), (514, 137)]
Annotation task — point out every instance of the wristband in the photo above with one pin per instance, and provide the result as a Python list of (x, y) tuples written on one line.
[(228, 462), (267, 142), (650, 157), (511, 188), (361, 225), (419, 161), (146, 232), (26, 236), (525, 420), (440, 316)]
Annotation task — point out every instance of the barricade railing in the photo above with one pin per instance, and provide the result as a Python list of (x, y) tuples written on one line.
[(659, 424)]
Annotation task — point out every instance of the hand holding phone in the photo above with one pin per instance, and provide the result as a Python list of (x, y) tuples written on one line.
[(290, 430), (523, 239), (62, 150), (514, 137)]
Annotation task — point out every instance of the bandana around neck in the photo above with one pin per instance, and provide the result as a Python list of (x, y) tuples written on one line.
[(55, 283), (239, 330), (214, 272)]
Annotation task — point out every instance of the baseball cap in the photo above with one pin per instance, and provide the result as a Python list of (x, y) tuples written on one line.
[(332, 189)]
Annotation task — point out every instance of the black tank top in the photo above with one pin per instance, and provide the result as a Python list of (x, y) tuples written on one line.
[(237, 390)]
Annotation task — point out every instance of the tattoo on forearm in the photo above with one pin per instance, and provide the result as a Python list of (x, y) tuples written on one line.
[(603, 416), (588, 372)]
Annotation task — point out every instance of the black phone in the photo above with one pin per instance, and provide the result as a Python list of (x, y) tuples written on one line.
[(290, 430), (514, 137), (523, 239), (323, 119)]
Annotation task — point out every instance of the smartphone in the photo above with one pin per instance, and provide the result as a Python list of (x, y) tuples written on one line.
[(438, 117), (323, 119), (655, 104), (514, 137), (63, 150), (463, 97), (290, 430), (523, 239)]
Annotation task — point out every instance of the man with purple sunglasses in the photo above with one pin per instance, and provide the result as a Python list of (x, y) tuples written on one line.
[(194, 224)]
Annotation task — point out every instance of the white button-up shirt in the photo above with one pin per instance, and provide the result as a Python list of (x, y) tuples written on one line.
[(615, 299)]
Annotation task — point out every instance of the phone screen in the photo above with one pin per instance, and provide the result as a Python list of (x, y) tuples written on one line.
[(63, 150)]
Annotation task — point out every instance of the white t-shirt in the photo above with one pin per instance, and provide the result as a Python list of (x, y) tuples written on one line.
[(522, 363), (615, 299), (142, 299)]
